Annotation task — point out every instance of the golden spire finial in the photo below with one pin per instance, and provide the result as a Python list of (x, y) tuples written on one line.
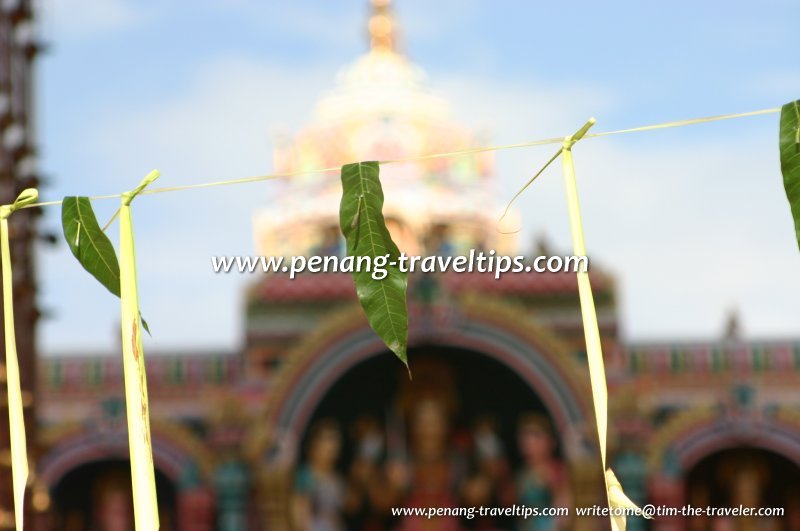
[(382, 26)]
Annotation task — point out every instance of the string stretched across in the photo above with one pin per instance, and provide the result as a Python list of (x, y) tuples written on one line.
[(468, 151)]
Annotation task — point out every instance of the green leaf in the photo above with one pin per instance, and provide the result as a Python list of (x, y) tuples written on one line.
[(790, 158), (89, 243), (364, 229), (145, 325)]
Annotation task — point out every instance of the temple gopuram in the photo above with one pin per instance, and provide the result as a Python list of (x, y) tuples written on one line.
[(313, 425)]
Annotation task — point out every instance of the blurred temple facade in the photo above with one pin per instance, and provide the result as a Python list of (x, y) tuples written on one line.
[(313, 425)]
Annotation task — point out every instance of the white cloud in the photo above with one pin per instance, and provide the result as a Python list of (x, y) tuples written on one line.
[(691, 224), (84, 19), (219, 129), (689, 228), (693, 230), (513, 111)]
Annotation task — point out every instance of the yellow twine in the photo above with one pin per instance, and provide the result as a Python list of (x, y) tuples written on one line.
[(469, 151)]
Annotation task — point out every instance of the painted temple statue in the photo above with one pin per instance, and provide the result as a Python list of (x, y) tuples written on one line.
[(313, 425)]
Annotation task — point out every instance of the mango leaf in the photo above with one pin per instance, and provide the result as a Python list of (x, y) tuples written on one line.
[(790, 158), (90, 245), (364, 229)]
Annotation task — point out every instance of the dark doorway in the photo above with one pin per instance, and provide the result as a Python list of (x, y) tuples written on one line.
[(750, 477), (466, 431), (474, 385), (97, 496)]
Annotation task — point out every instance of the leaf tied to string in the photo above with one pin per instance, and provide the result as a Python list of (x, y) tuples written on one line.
[(789, 145), (90, 244), (16, 413), (364, 228)]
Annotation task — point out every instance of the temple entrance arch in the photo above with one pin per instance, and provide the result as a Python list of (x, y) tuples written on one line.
[(97, 495), (716, 456), (490, 329), (473, 387), (482, 364), (746, 476), (87, 462)]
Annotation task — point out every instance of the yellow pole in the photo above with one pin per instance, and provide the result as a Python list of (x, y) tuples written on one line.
[(16, 414), (145, 503), (618, 502)]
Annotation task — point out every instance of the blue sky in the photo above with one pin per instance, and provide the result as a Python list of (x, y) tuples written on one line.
[(692, 220)]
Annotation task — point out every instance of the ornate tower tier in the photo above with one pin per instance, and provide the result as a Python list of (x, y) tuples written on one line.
[(382, 109)]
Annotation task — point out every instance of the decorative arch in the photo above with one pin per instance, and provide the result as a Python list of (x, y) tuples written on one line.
[(724, 434), (694, 435), (491, 328), (174, 449)]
